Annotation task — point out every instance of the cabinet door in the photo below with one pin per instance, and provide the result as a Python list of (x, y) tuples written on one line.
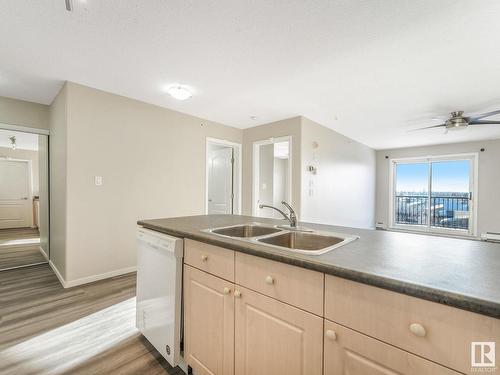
[(208, 323), (348, 352), (273, 338)]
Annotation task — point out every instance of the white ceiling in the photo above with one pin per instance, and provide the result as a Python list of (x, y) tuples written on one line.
[(24, 141), (369, 69)]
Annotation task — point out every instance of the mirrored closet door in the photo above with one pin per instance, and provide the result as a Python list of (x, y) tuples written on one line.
[(24, 198)]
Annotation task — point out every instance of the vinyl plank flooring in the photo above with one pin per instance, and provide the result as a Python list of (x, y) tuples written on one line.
[(89, 329), (20, 247)]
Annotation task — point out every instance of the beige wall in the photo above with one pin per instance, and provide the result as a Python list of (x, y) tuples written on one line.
[(276, 129), (342, 192), (58, 155), (488, 207), (19, 112), (153, 165)]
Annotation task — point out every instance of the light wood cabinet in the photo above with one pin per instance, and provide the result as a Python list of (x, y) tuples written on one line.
[(273, 338), (212, 259), (208, 323), (348, 352), (247, 315), (434, 331), (297, 286)]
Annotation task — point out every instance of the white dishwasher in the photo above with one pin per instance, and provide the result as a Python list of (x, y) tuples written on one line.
[(159, 291)]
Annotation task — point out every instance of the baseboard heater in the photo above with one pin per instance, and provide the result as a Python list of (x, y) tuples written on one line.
[(491, 236)]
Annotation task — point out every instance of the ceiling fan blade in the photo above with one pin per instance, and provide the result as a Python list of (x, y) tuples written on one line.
[(483, 122), (483, 115), (429, 127)]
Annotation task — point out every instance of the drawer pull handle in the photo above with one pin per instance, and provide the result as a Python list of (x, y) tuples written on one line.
[(269, 280), (331, 334), (227, 290), (204, 258), (417, 329), (237, 293)]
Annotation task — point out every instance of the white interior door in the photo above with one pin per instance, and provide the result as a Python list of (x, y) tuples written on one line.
[(220, 180), (15, 194)]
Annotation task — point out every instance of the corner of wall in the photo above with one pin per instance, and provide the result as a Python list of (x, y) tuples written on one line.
[(58, 122)]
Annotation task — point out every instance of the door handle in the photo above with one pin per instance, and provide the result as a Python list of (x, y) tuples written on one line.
[(24, 198)]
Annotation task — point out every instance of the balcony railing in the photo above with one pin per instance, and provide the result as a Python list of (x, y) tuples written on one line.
[(445, 211)]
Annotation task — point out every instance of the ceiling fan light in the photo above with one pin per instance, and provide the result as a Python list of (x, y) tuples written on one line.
[(456, 127), (456, 123)]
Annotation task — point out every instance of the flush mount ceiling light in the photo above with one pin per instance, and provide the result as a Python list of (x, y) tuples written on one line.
[(179, 92)]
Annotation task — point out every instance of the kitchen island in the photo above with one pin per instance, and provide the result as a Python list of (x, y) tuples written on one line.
[(369, 298), (456, 272)]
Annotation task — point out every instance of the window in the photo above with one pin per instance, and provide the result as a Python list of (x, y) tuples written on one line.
[(435, 194)]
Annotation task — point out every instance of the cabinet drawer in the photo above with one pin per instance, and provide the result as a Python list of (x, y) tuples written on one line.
[(212, 259), (350, 352), (294, 285), (437, 332)]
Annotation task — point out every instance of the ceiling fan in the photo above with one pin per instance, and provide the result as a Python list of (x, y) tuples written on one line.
[(459, 121)]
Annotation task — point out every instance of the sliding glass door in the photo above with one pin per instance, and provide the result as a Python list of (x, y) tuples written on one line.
[(412, 194), (451, 194), (434, 194)]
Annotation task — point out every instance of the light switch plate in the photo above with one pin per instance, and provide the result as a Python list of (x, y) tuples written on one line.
[(98, 180)]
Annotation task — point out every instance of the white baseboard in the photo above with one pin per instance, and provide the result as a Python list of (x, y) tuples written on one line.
[(23, 244), (58, 274), (44, 253), (90, 279)]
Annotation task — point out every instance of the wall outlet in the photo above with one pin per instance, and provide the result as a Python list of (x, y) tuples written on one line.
[(98, 180)]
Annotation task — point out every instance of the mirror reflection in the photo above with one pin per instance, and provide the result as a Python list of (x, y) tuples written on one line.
[(272, 175), (24, 199)]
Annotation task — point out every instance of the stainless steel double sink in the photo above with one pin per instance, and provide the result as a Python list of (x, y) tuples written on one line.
[(300, 241)]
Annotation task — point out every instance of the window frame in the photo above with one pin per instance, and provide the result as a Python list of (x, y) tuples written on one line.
[(473, 188)]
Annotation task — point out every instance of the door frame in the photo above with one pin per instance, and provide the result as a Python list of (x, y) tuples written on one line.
[(24, 129), (255, 168), (30, 181), (237, 182)]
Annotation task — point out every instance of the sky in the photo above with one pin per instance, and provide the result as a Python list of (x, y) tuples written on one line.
[(447, 176)]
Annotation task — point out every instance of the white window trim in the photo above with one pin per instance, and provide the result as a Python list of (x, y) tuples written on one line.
[(472, 231)]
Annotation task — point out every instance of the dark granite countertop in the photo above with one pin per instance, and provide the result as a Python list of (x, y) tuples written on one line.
[(456, 272)]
